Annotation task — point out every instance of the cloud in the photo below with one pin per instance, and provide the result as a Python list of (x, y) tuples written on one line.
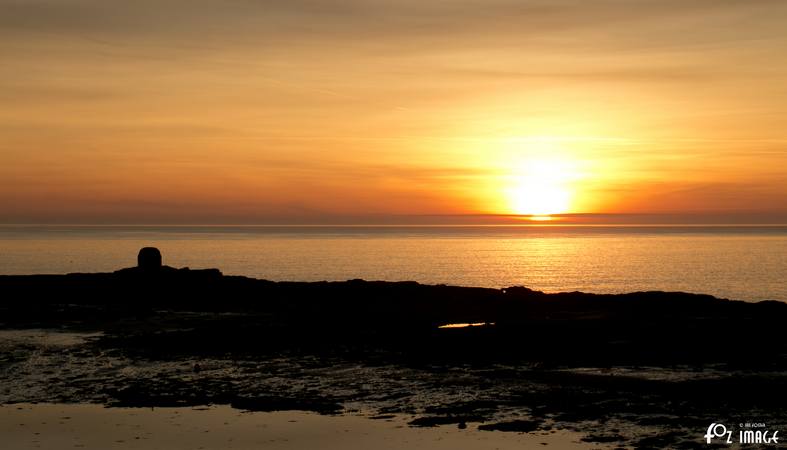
[(389, 20)]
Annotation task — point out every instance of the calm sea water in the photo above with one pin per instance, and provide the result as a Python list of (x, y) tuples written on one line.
[(740, 262)]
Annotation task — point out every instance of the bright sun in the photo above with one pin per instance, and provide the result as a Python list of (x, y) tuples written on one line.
[(541, 188)]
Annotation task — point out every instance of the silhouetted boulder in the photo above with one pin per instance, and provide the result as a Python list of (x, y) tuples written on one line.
[(149, 258)]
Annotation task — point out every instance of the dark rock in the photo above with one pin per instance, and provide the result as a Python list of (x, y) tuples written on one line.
[(268, 403), (516, 426), (149, 258), (433, 421), (603, 438)]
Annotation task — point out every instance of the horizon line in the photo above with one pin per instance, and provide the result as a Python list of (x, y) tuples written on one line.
[(534, 223)]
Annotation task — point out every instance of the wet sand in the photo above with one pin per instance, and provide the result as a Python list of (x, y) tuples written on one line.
[(61, 426)]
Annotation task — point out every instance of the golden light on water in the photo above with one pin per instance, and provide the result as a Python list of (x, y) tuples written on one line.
[(466, 325), (542, 218)]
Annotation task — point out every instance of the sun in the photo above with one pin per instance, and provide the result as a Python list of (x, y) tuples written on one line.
[(541, 188)]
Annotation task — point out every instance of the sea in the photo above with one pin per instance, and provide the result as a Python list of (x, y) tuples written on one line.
[(736, 262)]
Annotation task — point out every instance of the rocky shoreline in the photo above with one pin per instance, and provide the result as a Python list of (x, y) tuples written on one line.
[(648, 369)]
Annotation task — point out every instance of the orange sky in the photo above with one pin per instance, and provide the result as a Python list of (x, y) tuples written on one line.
[(315, 111)]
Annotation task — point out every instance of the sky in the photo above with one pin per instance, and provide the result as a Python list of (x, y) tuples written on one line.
[(375, 111)]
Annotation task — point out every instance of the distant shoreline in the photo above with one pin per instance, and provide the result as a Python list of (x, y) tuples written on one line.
[(533, 224)]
